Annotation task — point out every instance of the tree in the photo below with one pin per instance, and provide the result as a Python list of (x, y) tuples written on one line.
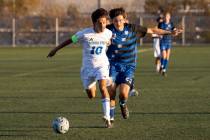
[(153, 6), (18, 7)]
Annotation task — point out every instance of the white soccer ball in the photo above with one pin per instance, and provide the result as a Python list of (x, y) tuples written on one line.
[(60, 125)]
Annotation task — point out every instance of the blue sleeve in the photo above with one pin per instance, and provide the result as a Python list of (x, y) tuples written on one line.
[(172, 26), (160, 25)]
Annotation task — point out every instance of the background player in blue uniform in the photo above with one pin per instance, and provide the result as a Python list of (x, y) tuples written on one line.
[(122, 55), (166, 41)]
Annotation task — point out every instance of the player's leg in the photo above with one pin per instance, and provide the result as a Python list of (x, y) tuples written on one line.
[(89, 83), (157, 53), (105, 98), (133, 91), (112, 91), (102, 76), (124, 88), (163, 58), (163, 62), (166, 59), (123, 97), (168, 52), (157, 63), (91, 91)]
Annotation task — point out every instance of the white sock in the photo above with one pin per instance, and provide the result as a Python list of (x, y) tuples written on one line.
[(158, 67), (106, 107)]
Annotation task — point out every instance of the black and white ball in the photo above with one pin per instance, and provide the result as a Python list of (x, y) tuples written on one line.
[(60, 125)]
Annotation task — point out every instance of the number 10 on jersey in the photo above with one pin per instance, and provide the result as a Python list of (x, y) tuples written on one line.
[(96, 50)]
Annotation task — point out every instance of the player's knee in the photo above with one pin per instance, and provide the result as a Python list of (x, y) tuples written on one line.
[(91, 94), (112, 97), (103, 89)]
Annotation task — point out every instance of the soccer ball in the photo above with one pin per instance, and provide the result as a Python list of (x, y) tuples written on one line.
[(60, 125)]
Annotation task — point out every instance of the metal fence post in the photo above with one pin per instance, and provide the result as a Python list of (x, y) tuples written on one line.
[(141, 23), (183, 34), (56, 32), (13, 33)]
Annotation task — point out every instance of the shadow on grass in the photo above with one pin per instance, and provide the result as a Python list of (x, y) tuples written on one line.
[(72, 127), (98, 113), (42, 97), (24, 132)]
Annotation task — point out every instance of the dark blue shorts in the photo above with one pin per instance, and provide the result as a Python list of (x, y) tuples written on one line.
[(165, 46), (122, 73)]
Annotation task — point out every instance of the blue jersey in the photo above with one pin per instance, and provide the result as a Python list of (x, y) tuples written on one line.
[(166, 39), (123, 49)]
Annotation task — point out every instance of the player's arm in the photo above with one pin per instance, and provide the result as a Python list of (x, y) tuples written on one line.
[(73, 39), (144, 30), (159, 31), (177, 30)]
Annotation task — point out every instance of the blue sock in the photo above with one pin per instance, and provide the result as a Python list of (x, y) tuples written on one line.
[(165, 63), (123, 102), (112, 109)]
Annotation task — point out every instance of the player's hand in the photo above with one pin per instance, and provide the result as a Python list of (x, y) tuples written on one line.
[(180, 30), (174, 33), (177, 32), (52, 53)]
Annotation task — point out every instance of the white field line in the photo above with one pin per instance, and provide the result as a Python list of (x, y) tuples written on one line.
[(52, 69), (145, 50), (33, 72)]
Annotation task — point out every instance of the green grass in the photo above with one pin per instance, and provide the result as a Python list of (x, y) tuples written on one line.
[(34, 90)]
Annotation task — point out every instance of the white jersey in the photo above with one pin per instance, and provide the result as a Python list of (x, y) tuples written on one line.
[(94, 47)]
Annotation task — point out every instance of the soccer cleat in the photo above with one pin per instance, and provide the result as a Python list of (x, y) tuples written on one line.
[(134, 92), (112, 121), (108, 123), (124, 111), (164, 74)]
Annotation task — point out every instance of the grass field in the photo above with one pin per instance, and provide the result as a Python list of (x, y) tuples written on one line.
[(34, 90)]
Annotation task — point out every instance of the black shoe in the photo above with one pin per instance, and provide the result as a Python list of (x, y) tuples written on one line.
[(108, 123), (112, 122), (134, 92), (124, 111)]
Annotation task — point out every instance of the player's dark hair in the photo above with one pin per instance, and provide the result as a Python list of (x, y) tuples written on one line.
[(167, 12), (159, 19), (98, 14), (116, 12)]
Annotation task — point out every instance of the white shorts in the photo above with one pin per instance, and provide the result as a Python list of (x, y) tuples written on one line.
[(90, 76), (156, 47)]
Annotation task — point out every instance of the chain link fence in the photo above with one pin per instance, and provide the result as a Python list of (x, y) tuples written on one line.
[(29, 31)]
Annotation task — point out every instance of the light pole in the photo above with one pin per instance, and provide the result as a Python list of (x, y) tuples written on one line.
[(99, 3)]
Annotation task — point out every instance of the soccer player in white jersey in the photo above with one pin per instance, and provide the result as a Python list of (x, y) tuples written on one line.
[(95, 64), (156, 47)]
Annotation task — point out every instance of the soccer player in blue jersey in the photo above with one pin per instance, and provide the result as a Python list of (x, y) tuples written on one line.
[(122, 55), (166, 41)]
